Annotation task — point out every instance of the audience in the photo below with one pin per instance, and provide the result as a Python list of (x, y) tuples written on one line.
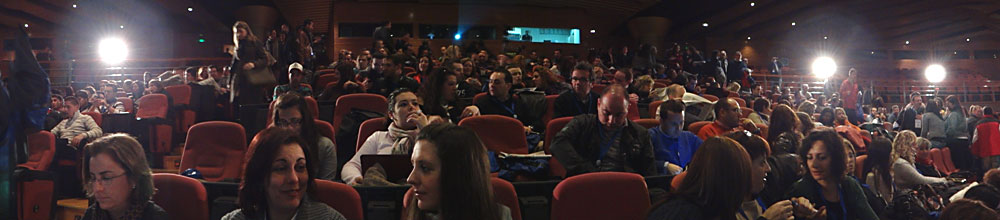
[(118, 180), (450, 177), (727, 118), (849, 92), (392, 77), (250, 56), (76, 128), (784, 127), (439, 98), (405, 121), (292, 112), (751, 209), (607, 141), (545, 81), (672, 146), (578, 100), (294, 83), (279, 180), (905, 174), (761, 111), (907, 119), (827, 186)]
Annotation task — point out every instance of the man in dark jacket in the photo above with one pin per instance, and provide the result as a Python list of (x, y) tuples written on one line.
[(907, 119), (392, 77), (500, 101), (579, 100), (607, 141)]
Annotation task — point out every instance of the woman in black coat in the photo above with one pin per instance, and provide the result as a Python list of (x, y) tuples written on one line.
[(249, 56)]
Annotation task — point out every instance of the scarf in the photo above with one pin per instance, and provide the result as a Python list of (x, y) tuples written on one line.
[(402, 140)]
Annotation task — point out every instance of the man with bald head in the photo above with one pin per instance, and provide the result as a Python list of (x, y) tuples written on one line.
[(607, 141), (727, 118)]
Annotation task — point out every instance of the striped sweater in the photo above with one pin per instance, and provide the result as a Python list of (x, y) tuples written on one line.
[(76, 125)]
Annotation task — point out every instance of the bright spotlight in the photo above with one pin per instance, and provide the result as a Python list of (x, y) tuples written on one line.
[(793, 23), (190, 9), (593, 31), (74, 5), (824, 67), (906, 42), (25, 25), (935, 73), (752, 4), (458, 36), (704, 24), (121, 26), (112, 51)]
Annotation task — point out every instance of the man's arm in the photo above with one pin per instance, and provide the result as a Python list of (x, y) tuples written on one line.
[(648, 156), (93, 131), (563, 150)]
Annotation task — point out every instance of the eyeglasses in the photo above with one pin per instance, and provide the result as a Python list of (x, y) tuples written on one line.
[(288, 123), (581, 79), (104, 181)]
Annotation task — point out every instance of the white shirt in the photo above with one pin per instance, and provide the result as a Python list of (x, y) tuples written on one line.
[(378, 143)]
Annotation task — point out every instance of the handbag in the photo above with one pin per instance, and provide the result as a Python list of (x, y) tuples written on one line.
[(261, 76)]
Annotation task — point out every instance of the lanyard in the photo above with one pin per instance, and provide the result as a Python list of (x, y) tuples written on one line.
[(744, 214), (512, 105), (840, 192), (605, 144)]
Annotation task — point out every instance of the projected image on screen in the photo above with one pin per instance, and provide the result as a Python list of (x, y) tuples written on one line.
[(544, 35)]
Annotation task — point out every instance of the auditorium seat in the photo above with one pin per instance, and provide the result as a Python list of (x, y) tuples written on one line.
[(745, 112), (937, 158), (503, 193), (657, 85), (181, 95), (601, 195), (154, 107), (946, 155), (763, 129), (710, 97), (654, 107), (340, 197), (648, 122), (325, 129), (96, 116), (499, 133), (859, 164), (325, 79), (127, 102), (553, 128), (550, 101), (633, 111), (675, 183), (743, 103), (479, 96), (696, 126), (216, 149), (369, 127), (182, 197), (41, 150), (363, 101)]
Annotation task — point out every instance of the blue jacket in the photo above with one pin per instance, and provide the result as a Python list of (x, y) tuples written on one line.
[(676, 150)]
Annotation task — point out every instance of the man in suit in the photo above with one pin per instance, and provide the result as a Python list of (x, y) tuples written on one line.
[(734, 73)]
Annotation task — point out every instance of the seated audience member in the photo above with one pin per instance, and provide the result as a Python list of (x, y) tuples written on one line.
[(625, 78), (644, 89), (440, 98), (968, 209), (278, 180), (98, 104), (841, 119), (294, 85), (405, 121), (877, 169), (727, 113), (707, 192), (905, 174), (451, 177), (517, 78), (292, 112), (751, 209), (579, 100), (761, 111), (607, 141), (826, 117), (806, 123), (808, 107), (119, 180), (546, 82), (784, 128), (500, 101), (57, 112), (76, 128), (673, 147), (392, 77), (827, 186)]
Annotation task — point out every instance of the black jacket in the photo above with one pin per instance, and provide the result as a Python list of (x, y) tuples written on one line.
[(248, 51), (492, 106), (567, 104), (578, 145)]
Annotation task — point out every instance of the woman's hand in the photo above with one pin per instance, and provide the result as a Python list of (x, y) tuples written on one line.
[(780, 210), (248, 66), (803, 208), (419, 119), (470, 111)]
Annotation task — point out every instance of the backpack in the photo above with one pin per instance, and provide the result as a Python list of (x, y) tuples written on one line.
[(347, 132)]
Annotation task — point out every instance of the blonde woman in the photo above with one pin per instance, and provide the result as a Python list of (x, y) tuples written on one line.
[(905, 174)]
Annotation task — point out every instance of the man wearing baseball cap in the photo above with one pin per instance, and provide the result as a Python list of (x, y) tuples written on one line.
[(294, 83)]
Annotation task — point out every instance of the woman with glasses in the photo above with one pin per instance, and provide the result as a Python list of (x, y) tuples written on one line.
[(291, 111), (119, 180)]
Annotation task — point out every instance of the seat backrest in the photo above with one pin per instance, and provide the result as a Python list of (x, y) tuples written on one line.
[(127, 102), (369, 127), (710, 97), (924, 157), (324, 128), (695, 127), (183, 197), (327, 79), (601, 195), (479, 96), (633, 111), (503, 193), (216, 149), (340, 197), (746, 112), (499, 133), (859, 164), (180, 93), (553, 128), (648, 122), (653, 107), (937, 158), (763, 129), (370, 102), (675, 183), (550, 101), (96, 116), (743, 103), (657, 85), (41, 150), (946, 155), (152, 106), (312, 106)]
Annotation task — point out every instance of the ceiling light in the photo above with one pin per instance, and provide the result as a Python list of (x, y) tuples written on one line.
[(704, 24), (793, 23), (752, 4)]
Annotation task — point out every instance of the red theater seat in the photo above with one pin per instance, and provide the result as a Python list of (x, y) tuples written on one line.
[(653, 107), (216, 149), (710, 97), (937, 158), (369, 127), (553, 128), (745, 112), (859, 164), (41, 150), (503, 193), (364, 101), (550, 101), (323, 80), (633, 111), (127, 102), (648, 122), (598, 88), (601, 195), (96, 116), (183, 197), (155, 107), (946, 155), (325, 129), (181, 95), (480, 96), (498, 133), (743, 103), (695, 127), (340, 197)]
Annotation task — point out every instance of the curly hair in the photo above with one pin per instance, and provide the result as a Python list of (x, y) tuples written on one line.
[(904, 146)]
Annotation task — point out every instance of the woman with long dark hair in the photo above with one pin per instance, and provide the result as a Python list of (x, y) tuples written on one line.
[(439, 96), (826, 117), (827, 184), (932, 124), (877, 169), (249, 56), (784, 125), (405, 121), (957, 132), (292, 112), (546, 82), (451, 177), (708, 192)]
